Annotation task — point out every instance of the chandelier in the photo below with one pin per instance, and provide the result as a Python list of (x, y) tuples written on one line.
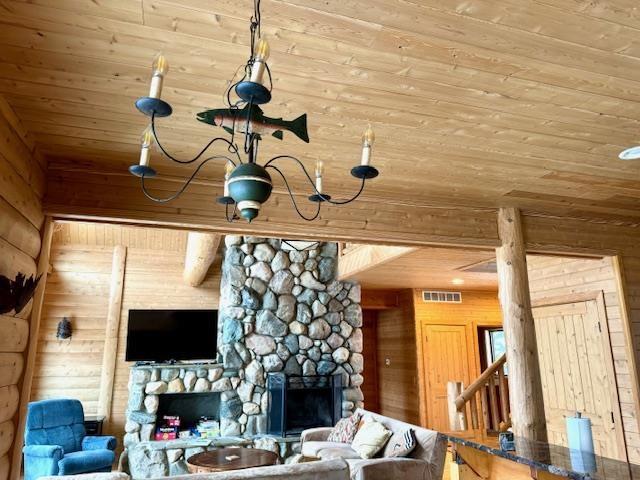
[(247, 184)]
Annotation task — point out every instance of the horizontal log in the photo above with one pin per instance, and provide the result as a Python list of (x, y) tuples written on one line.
[(15, 334), (18, 231), (8, 402), (19, 194), (7, 433), (11, 366), (13, 261)]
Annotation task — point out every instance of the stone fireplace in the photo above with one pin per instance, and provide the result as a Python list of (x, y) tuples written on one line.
[(282, 313)]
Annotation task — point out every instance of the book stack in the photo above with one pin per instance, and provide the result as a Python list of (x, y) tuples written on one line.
[(168, 429), (208, 428)]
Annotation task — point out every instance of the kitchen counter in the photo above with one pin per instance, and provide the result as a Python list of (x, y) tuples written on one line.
[(553, 461)]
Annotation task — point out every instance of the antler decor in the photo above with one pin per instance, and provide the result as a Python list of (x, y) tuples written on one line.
[(16, 294)]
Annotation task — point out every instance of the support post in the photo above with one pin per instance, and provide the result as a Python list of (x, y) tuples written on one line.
[(201, 251), (34, 334), (525, 385), (118, 267)]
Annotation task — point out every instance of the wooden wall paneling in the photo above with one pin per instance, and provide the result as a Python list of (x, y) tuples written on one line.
[(552, 276), (112, 329), (36, 315), (630, 353), (370, 386), (478, 308), (379, 299), (365, 257), (397, 373)]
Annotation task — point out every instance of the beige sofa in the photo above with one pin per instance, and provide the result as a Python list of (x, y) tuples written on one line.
[(426, 462), (335, 469)]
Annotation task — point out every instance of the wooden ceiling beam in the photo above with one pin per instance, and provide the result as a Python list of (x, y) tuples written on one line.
[(200, 254)]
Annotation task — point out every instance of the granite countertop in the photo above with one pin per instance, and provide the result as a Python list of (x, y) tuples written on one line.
[(558, 460)]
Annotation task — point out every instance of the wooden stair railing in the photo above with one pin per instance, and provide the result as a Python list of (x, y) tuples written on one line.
[(485, 401)]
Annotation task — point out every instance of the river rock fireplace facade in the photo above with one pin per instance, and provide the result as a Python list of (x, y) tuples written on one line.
[(281, 312)]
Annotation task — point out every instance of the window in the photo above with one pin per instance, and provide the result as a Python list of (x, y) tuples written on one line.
[(495, 345)]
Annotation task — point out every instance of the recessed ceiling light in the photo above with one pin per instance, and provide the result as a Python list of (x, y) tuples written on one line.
[(457, 281), (632, 153)]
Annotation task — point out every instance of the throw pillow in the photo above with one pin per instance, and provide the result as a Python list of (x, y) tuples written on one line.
[(345, 430), (400, 444), (370, 439)]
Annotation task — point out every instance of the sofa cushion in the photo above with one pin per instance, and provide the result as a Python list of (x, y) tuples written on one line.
[(345, 452), (370, 439), (89, 461), (345, 430), (401, 444), (312, 449)]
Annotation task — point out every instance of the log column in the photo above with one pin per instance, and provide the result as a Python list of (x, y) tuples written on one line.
[(525, 386)]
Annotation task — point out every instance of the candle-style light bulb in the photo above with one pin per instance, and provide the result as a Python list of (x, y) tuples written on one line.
[(368, 137), (259, 61), (319, 172), (227, 173), (146, 140), (160, 69)]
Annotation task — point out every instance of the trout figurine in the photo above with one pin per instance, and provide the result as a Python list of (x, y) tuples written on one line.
[(230, 119)]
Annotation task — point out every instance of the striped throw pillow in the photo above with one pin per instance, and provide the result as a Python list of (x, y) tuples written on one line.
[(345, 429), (400, 444)]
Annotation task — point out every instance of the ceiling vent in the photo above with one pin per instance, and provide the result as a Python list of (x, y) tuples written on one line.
[(438, 296)]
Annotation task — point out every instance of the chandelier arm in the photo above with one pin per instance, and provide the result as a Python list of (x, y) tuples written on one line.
[(233, 216), (293, 200), (232, 147), (323, 197), (184, 186)]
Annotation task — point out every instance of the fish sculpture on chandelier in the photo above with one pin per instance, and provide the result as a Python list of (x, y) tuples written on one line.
[(236, 120)]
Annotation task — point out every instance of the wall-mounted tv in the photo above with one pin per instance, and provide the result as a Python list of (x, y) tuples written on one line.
[(163, 335)]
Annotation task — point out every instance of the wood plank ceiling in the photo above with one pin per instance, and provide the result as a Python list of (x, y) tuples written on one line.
[(474, 102), (433, 268)]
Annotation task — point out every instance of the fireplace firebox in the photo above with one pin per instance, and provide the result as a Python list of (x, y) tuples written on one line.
[(190, 407), (297, 403)]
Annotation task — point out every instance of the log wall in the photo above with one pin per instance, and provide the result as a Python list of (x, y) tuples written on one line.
[(22, 185)]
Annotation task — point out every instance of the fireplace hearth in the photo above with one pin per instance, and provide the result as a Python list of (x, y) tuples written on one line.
[(297, 403)]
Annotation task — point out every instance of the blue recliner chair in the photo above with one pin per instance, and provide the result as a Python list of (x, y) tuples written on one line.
[(56, 442)]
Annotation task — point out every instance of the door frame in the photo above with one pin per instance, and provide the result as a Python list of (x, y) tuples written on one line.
[(598, 297)]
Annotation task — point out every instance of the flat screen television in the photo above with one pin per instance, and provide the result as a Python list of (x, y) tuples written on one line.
[(163, 335)]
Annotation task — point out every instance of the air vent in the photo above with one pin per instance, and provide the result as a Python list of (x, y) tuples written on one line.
[(437, 296)]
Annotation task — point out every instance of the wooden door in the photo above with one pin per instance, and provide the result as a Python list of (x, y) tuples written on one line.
[(446, 358), (577, 372)]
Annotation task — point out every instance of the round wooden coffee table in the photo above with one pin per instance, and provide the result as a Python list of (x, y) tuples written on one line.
[(225, 459)]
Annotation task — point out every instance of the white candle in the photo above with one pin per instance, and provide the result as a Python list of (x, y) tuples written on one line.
[(319, 172), (145, 141), (368, 137), (160, 69), (366, 155), (259, 61), (155, 90), (145, 155), (228, 169)]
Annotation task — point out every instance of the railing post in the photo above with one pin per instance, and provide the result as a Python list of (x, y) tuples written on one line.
[(457, 418)]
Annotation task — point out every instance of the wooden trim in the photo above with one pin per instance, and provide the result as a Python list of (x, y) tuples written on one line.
[(422, 385), (36, 314), (111, 333), (615, 400), (564, 299), (628, 334)]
